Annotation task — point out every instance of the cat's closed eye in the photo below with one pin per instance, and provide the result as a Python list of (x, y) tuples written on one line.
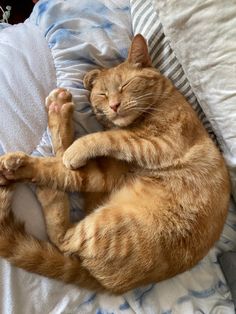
[(102, 94), (124, 85)]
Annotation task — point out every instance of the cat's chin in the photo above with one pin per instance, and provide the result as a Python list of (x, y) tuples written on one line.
[(123, 121)]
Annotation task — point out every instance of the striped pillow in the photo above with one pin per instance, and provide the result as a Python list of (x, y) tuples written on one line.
[(145, 20)]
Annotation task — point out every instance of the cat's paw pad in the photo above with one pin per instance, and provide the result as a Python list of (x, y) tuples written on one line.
[(11, 162), (59, 100)]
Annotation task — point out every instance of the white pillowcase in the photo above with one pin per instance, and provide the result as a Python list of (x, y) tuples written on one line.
[(27, 76), (203, 36)]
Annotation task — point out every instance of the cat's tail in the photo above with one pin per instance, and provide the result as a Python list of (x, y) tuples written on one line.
[(25, 251)]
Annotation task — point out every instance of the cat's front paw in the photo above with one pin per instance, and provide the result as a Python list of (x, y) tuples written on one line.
[(74, 157), (9, 164)]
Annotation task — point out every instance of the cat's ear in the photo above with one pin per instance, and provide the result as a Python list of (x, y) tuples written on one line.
[(90, 78), (138, 52)]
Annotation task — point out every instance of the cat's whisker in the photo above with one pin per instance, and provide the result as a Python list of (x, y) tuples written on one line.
[(130, 102), (147, 109), (133, 106), (147, 96), (153, 114), (152, 94), (141, 96), (135, 101), (128, 106)]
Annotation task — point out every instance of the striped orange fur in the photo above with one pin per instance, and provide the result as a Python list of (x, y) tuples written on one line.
[(156, 187)]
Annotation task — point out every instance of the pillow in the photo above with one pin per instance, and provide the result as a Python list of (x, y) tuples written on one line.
[(202, 34), (27, 76)]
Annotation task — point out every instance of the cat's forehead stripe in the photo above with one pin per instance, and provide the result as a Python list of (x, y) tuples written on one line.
[(112, 79)]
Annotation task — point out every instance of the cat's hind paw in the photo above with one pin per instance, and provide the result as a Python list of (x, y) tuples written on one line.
[(9, 163), (12, 161), (60, 111), (59, 101)]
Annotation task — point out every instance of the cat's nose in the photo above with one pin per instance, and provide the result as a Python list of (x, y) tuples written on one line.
[(114, 106)]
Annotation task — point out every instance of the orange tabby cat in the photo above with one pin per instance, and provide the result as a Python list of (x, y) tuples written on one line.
[(161, 185)]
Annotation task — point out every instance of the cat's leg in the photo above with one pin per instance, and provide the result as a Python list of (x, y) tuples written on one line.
[(55, 204), (60, 112), (56, 210), (6, 194), (137, 147), (117, 242), (46, 171), (10, 228), (100, 175)]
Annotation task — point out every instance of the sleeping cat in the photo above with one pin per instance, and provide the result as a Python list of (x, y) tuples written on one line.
[(157, 188)]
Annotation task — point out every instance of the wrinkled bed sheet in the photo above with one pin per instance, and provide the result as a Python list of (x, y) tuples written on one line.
[(88, 34)]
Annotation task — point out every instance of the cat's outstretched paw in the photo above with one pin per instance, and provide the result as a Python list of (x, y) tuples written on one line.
[(59, 101), (9, 163)]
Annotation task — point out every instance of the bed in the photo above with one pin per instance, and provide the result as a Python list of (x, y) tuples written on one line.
[(56, 46)]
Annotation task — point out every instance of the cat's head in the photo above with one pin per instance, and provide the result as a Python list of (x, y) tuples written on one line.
[(121, 94)]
